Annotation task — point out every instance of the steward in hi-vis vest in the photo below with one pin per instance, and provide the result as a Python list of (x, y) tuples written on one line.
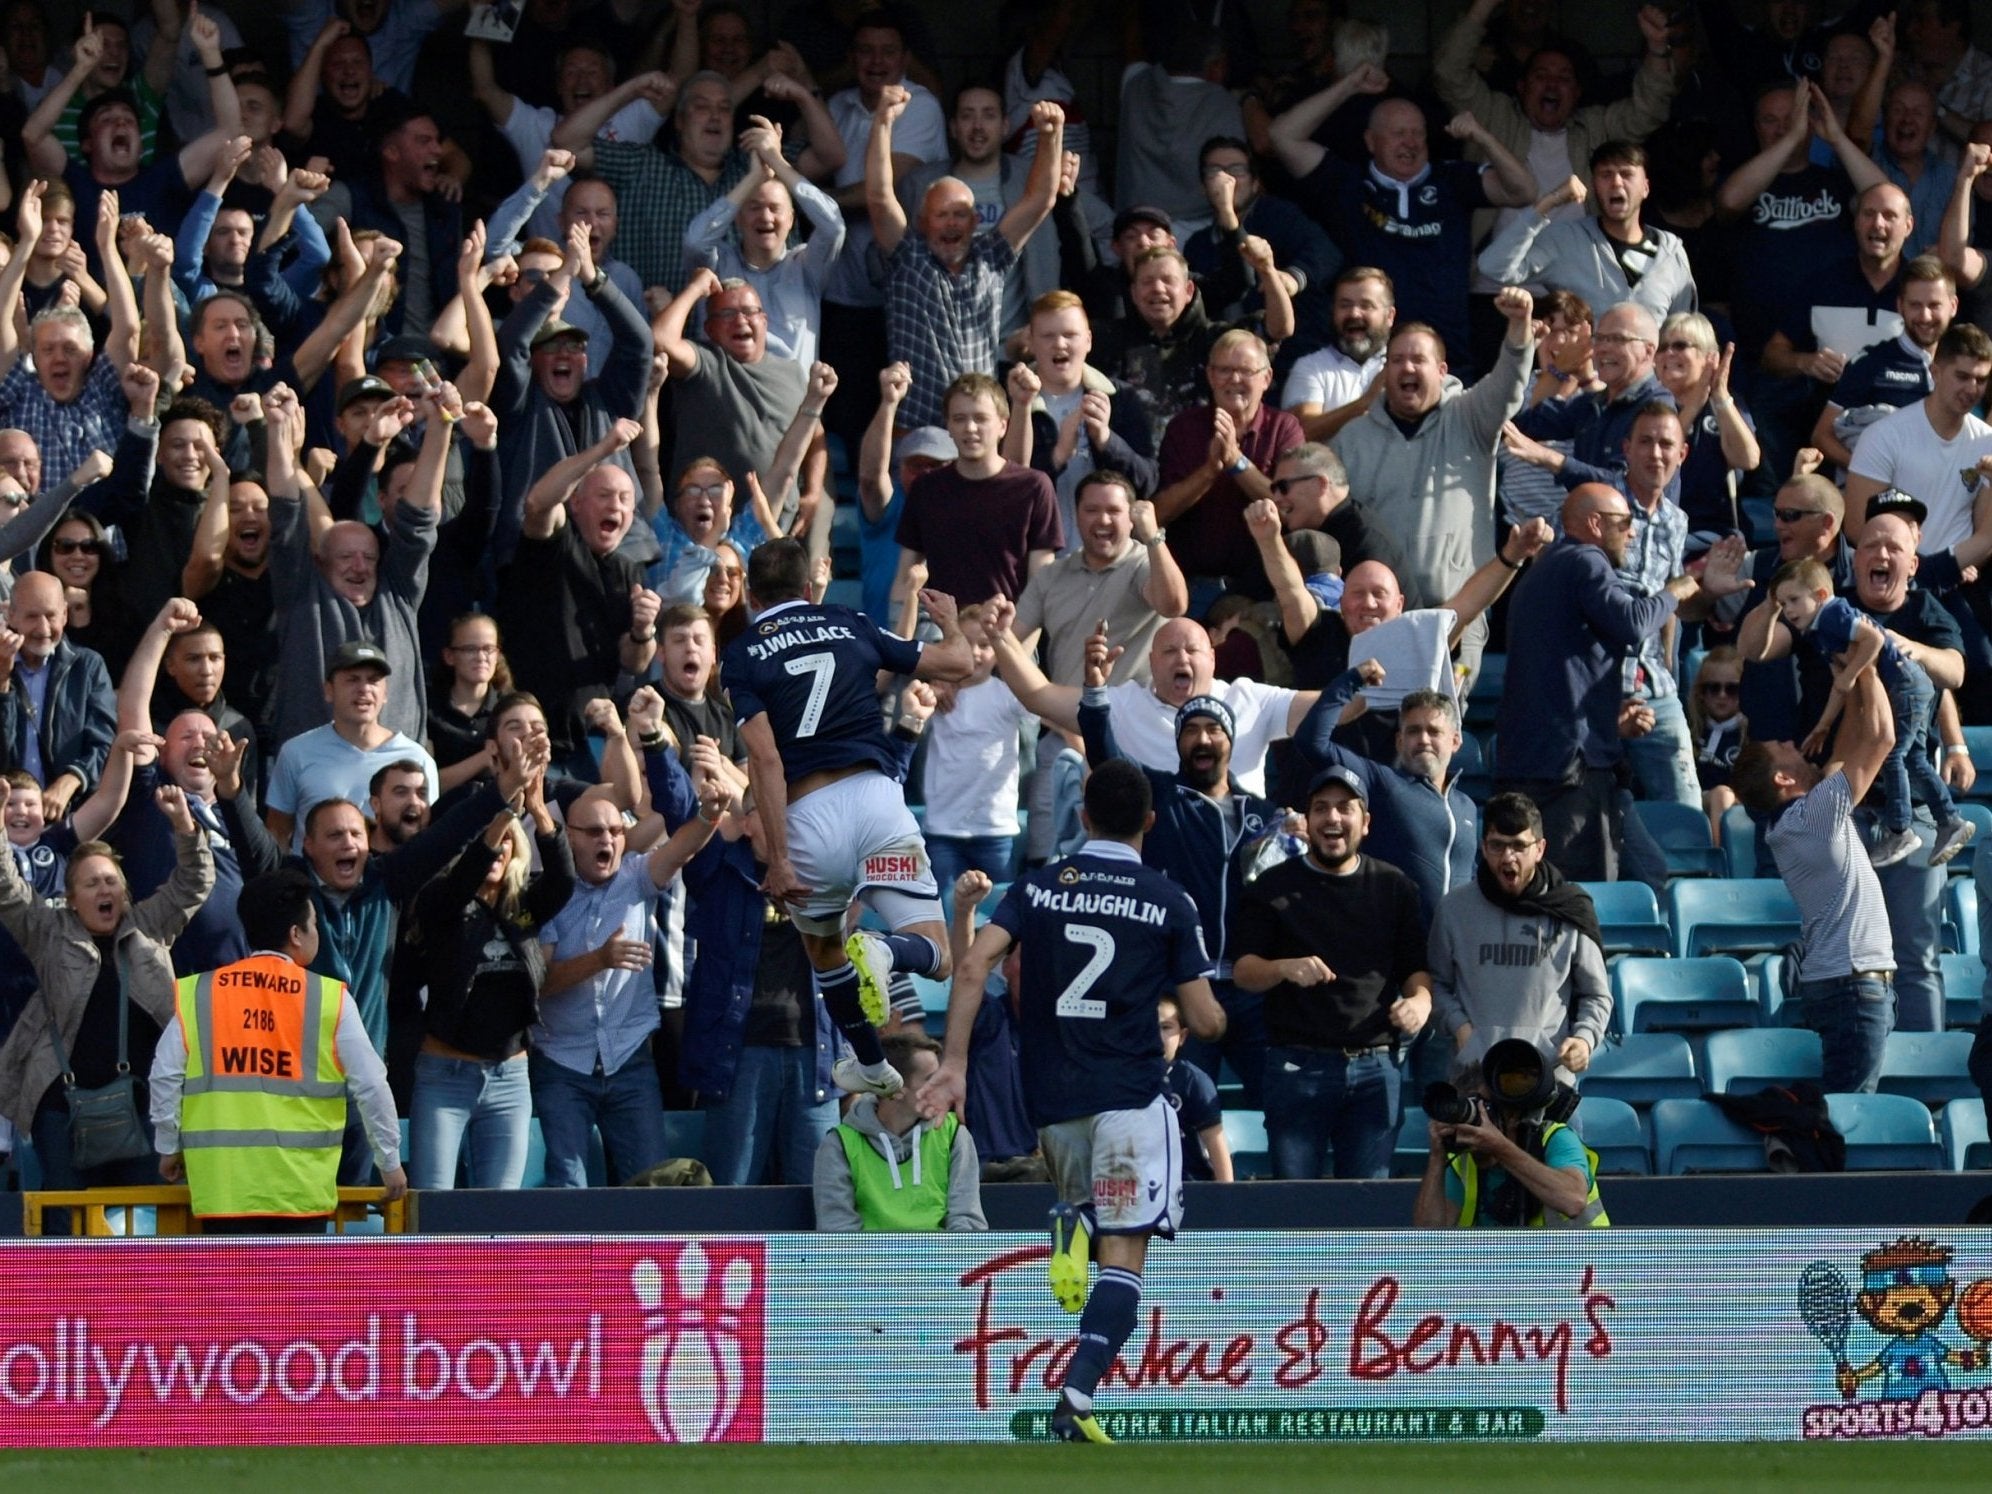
[(251, 1080)]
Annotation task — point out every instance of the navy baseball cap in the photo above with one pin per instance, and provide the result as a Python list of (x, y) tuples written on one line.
[(1338, 774)]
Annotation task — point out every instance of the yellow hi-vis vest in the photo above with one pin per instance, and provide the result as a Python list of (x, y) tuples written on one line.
[(1592, 1216), (263, 1110)]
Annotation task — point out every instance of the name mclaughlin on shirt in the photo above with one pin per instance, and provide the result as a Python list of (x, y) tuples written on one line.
[(767, 648), (1098, 904)]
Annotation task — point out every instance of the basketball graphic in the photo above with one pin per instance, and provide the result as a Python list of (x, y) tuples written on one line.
[(1974, 1309)]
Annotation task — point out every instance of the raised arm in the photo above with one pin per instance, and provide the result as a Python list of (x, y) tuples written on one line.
[(794, 446), (1513, 184), (1866, 735), (1483, 588), (1056, 704), (1293, 131), (197, 155), (578, 130), (121, 342), (1034, 205), (668, 330), (46, 155), (314, 354), (888, 218), (1853, 157), (28, 222), (1747, 182), (1298, 607), (480, 370), (545, 497), (1954, 245), (301, 98), (1273, 287), (875, 451)]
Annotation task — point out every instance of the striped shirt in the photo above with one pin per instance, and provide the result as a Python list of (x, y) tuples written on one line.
[(1844, 923), (1652, 559)]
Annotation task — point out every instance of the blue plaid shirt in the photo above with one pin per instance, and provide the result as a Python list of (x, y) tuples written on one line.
[(943, 325), (659, 196), (65, 434), (679, 574), (1652, 559)]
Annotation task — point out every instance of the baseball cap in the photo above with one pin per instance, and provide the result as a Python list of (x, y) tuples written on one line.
[(1206, 705), (554, 328), (927, 441), (368, 387), (1338, 774), (406, 348), (360, 653), (1895, 501), (1126, 218)]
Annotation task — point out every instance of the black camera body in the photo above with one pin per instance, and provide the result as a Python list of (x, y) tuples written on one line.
[(1446, 1105)]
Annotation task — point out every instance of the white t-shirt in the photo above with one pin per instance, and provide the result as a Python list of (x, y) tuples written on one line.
[(1330, 378), (922, 131), (971, 766), (320, 765), (1903, 451), (1145, 726)]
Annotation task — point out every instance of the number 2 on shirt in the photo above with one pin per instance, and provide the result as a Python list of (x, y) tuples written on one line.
[(822, 667), (1073, 1001)]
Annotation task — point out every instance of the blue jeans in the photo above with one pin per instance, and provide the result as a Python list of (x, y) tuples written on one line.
[(1663, 761), (1243, 1043), (493, 1102), (1317, 1098), (771, 1112), (952, 855), (1909, 777), (1914, 895), (1852, 1015), (626, 1106)]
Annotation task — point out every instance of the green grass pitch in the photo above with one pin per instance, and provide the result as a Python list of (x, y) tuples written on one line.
[(1252, 1469)]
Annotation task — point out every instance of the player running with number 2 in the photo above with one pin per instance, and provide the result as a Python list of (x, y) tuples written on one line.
[(1104, 938)]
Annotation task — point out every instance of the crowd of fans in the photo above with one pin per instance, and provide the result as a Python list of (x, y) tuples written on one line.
[(380, 483)]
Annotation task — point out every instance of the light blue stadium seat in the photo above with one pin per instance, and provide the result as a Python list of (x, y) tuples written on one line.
[(845, 592), (684, 1133), (1739, 841), (933, 993), (1414, 1145), (1642, 1068), (1474, 769), (1769, 973), (1927, 1066), (28, 1163), (1682, 834), (1961, 915), (1979, 740), (1245, 1135), (1753, 1058), (1725, 915), (1682, 995), (1962, 1130), (1694, 1136), (1886, 1133), (1611, 1129), (535, 1174), (1485, 697), (1629, 918), (1964, 988)]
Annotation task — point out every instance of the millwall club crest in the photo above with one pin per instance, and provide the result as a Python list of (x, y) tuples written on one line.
[(1428, 195), (1970, 477)]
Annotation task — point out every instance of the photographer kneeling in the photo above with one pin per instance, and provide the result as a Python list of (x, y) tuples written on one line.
[(1503, 1157)]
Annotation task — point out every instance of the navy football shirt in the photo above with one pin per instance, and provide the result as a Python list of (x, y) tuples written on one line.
[(1104, 938), (814, 672)]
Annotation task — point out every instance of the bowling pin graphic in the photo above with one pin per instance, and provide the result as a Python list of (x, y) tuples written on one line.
[(736, 1285), (646, 1282)]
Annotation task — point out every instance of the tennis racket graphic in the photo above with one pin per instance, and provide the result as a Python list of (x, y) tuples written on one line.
[(1827, 1307)]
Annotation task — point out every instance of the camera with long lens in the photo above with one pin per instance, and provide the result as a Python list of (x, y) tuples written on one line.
[(1518, 1081)]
